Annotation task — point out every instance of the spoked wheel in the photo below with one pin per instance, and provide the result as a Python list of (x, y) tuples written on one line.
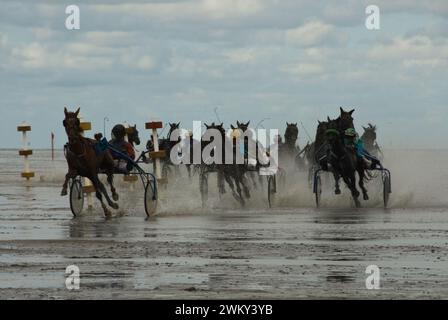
[(76, 197), (318, 189), (272, 189), (386, 189), (151, 198)]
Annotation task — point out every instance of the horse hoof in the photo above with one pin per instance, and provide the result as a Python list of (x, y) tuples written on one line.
[(63, 193), (366, 197), (115, 197), (107, 213), (114, 206), (337, 191)]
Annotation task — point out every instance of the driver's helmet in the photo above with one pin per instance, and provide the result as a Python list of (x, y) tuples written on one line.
[(118, 132), (350, 132)]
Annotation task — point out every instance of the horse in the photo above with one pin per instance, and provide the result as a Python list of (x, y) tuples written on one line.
[(229, 173), (369, 139), (133, 136), (288, 150), (242, 127), (167, 145), (84, 160), (320, 149), (343, 160)]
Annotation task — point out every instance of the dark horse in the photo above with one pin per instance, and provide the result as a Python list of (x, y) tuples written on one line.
[(288, 150), (229, 173), (133, 137), (84, 160), (333, 155), (370, 143), (167, 145), (255, 164)]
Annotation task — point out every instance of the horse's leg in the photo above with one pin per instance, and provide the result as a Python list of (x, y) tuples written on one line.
[(244, 181), (351, 183), (337, 177), (71, 174), (110, 180), (238, 189), (252, 178), (104, 192), (96, 184), (109, 165), (203, 186), (229, 181), (361, 174), (220, 182), (99, 186), (188, 170)]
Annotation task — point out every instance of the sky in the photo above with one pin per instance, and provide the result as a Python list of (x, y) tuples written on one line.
[(274, 61)]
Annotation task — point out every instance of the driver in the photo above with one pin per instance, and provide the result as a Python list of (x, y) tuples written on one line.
[(351, 140), (119, 143)]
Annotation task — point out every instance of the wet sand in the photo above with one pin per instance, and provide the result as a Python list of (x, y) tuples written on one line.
[(221, 252)]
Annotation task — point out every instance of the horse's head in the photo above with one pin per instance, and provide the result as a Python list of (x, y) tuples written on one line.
[(219, 127), (173, 126), (72, 124), (291, 133), (345, 119), (133, 136), (242, 126), (369, 135), (240, 129)]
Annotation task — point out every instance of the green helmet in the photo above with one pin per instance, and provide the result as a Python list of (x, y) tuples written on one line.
[(350, 132)]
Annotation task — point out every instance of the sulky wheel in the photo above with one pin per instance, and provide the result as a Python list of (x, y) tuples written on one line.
[(76, 197), (151, 197)]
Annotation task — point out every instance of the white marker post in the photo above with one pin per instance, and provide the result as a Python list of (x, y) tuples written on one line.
[(156, 154), (88, 186), (25, 152)]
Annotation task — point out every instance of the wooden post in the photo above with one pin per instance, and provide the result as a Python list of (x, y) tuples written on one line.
[(156, 154), (25, 152), (88, 186)]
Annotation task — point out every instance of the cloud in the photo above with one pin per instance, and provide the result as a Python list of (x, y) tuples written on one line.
[(314, 33), (304, 69), (177, 60)]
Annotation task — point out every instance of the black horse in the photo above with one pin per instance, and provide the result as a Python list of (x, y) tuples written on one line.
[(167, 145), (332, 154), (288, 150), (229, 173), (251, 163)]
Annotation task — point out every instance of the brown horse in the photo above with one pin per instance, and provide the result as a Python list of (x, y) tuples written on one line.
[(83, 160)]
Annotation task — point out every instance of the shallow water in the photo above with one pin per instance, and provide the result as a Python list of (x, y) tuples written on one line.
[(223, 251)]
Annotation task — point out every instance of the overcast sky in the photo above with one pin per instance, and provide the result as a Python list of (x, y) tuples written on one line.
[(285, 60)]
